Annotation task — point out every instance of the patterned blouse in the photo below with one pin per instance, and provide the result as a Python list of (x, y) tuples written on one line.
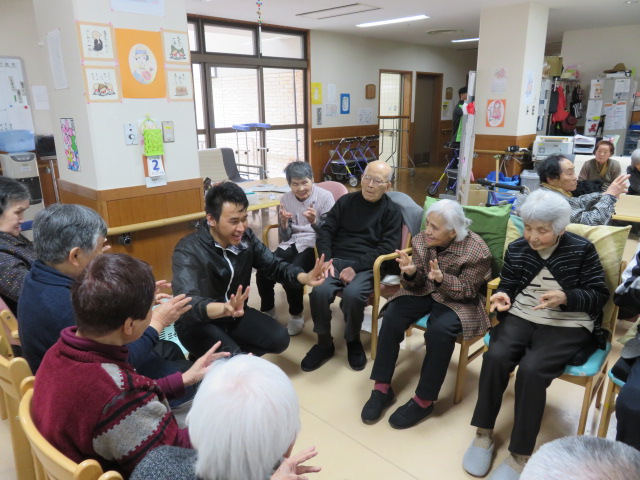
[(16, 257)]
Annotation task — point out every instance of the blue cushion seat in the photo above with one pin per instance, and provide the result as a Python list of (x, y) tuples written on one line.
[(616, 380), (422, 323)]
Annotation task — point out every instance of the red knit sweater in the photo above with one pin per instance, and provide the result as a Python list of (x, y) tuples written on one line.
[(90, 403)]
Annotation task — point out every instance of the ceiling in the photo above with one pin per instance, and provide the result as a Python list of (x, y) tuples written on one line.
[(462, 15)]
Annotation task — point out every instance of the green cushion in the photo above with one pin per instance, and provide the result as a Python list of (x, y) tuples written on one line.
[(488, 222)]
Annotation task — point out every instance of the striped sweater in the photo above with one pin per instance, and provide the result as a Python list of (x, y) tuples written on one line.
[(90, 403), (575, 265)]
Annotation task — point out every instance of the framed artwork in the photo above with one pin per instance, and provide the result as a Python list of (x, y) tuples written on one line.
[(179, 85), (96, 41), (175, 47), (141, 66), (102, 84)]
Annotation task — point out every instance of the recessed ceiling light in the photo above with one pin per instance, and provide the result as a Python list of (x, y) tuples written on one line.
[(393, 20), (465, 40)]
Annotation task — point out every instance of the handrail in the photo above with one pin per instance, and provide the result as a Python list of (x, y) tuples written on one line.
[(136, 227), (328, 140)]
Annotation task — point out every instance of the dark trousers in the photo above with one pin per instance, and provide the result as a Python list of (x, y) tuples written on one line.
[(443, 328), (542, 353), (354, 300), (628, 409), (165, 359), (254, 332), (306, 260)]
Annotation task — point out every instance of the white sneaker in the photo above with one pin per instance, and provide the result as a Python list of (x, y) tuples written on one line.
[(295, 325), (271, 313), (391, 280)]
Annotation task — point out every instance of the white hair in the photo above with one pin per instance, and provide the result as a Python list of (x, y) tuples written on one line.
[(453, 216), (583, 458), (547, 206), (635, 157), (244, 418)]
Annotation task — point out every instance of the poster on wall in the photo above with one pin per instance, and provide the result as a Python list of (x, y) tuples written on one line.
[(496, 109), (176, 47), (101, 84), (596, 89), (364, 116), (144, 7), (96, 41), (331, 110), (68, 128), (345, 103), (316, 93), (447, 111), (179, 85), (141, 67), (499, 80)]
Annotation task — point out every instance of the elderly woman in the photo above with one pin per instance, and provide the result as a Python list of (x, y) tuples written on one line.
[(16, 251), (558, 174), (243, 424), (300, 210), (549, 304), (442, 278), (634, 173), (602, 167)]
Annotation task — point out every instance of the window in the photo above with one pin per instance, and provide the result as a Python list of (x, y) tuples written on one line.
[(193, 38), (283, 45), (237, 41)]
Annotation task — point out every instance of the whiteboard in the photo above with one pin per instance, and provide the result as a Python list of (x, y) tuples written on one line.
[(15, 112)]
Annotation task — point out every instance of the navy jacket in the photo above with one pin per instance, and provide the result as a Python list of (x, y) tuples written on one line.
[(45, 308)]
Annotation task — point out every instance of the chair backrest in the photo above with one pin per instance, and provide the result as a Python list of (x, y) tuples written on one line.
[(230, 166), (8, 332), (212, 164), (49, 460), (12, 372), (336, 189)]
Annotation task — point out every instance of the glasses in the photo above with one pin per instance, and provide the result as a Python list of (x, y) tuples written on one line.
[(376, 181)]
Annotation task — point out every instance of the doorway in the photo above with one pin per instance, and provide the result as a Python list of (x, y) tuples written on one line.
[(394, 118), (427, 146)]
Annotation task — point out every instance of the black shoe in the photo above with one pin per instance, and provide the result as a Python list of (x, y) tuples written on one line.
[(409, 414), (378, 401), (316, 357), (355, 355)]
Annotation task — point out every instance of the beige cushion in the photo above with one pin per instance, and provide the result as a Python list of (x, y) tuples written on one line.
[(211, 164)]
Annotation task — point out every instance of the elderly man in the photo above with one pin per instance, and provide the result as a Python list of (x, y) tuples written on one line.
[(66, 239), (213, 266), (360, 227), (559, 174)]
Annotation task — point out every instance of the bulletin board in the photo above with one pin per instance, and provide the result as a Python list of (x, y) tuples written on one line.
[(15, 112)]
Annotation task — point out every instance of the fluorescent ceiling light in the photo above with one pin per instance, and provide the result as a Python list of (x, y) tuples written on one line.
[(393, 20), (340, 11), (465, 40)]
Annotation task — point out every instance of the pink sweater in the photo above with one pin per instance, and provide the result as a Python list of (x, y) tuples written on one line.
[(90, 403)]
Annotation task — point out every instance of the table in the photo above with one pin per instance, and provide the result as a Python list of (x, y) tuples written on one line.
[(627, 209), (265, 199)]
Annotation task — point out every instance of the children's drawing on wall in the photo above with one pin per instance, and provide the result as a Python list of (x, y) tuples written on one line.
[(176, 47), (499, 80), (68, 128), (345, 103), (179, 85), (143, 64), (96, 41), (316, 93), (596, 89), (495, 112), (527, 94), (102, 84), (142, 69)]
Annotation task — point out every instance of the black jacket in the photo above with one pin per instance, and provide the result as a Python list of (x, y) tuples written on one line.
[(207, 273)]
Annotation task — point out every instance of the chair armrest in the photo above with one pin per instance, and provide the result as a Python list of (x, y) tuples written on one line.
[(378, 263), (265, 233), (491, 287)]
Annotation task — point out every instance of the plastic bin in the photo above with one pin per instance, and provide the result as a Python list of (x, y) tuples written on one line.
[(15, 141), (530, 179)]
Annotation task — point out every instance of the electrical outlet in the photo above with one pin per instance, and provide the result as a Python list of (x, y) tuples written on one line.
[(130, 134)]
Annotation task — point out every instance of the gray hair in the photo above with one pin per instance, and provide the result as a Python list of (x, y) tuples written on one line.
[(453, 217), (547, 206), (244, 418), (299, 170), (635, 157), (583, 458), (12, 191), (59, 228)]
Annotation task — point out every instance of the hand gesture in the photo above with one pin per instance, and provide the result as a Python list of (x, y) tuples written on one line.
[(310, 214), (500, 301), (160, 285), (347, 275), (235, 306), (551, 299), (105, 247), (405, 263), (618, 186), (317, 274), (200, 367), (285, 216), (291, 469), (435, 274), (167, 312)]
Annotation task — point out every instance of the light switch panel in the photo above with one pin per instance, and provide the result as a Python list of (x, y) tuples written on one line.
[(167, 132)]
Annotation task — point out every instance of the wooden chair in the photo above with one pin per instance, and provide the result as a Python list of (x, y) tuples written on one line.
[(8, 337), (613, 389), (12, 372), (49, 463)]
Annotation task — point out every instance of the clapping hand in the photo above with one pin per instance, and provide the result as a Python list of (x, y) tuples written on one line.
[(435, 274), (405, 263), (235, 306), (500, 301), (310, 213)]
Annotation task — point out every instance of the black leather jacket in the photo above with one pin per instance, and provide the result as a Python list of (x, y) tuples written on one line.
[(206, 272)]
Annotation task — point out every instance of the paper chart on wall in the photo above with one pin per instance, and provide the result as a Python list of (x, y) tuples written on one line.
[(616, 116), (621, 88), (15, 113), (364, 116), (594, 108)]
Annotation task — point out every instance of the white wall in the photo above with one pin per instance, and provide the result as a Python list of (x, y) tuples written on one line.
[(18, 38), (599, 49), (353, 62)]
